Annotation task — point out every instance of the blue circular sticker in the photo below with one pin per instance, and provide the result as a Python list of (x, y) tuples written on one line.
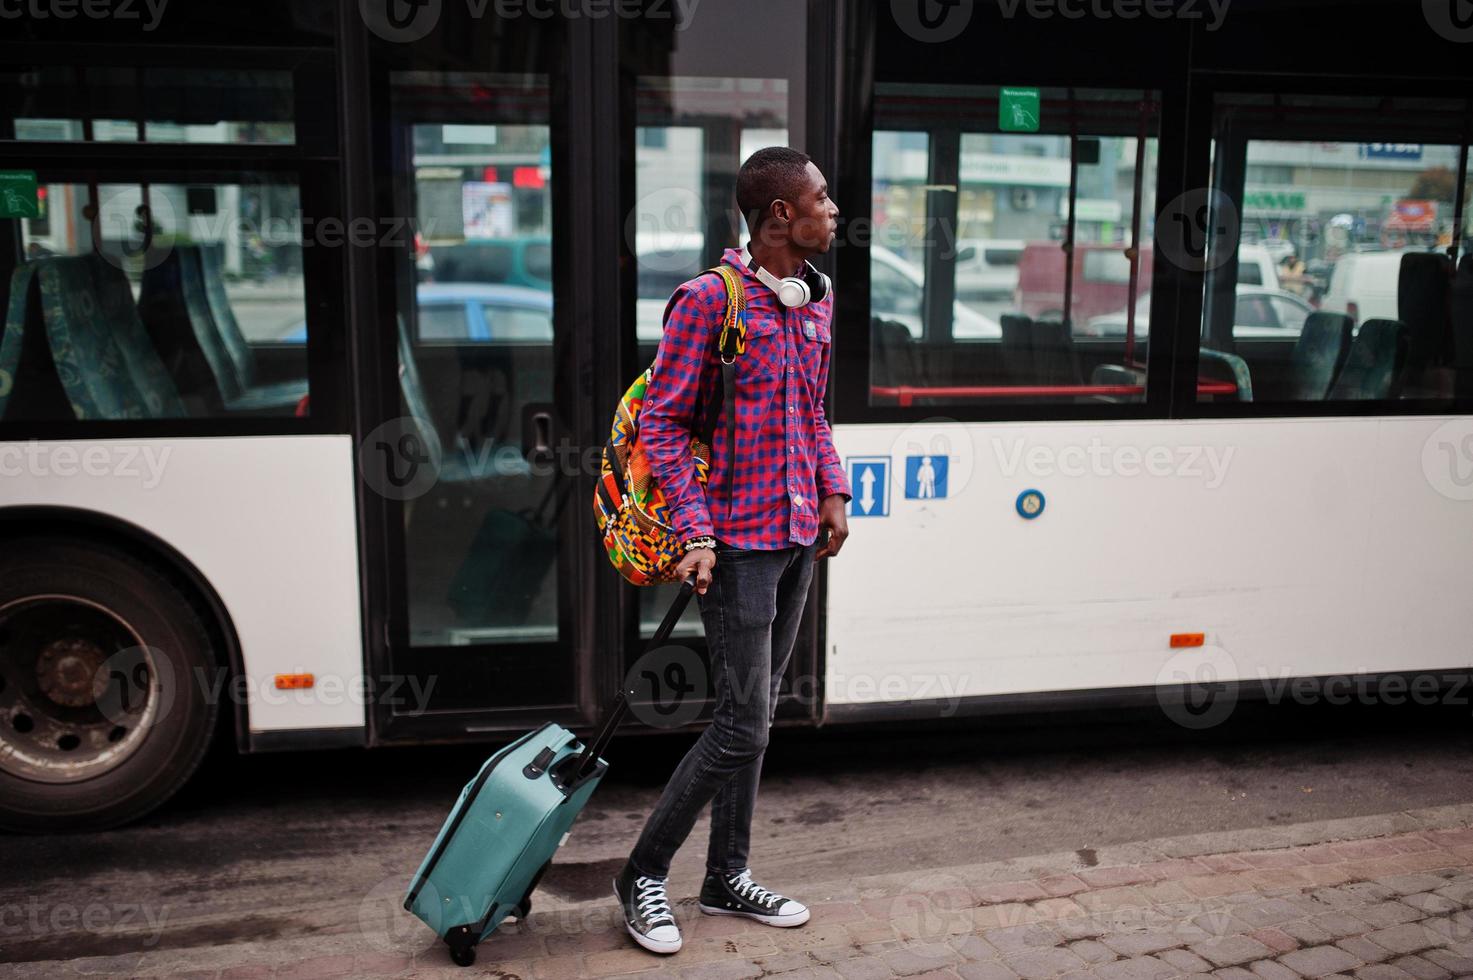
[(1030, 504)]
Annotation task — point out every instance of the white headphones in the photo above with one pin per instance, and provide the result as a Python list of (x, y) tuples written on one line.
[(811, 287)]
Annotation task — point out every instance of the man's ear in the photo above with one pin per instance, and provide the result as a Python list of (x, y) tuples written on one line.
[(781, 211)]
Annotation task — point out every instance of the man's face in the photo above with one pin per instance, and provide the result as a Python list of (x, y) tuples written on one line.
[(814, 218)]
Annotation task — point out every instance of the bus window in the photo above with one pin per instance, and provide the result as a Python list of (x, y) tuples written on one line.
[(56, 103), (145, 298), (476, 350), (1339, 252), (1007, 265)]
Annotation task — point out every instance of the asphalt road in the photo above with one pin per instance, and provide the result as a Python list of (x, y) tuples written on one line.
[(270, 847)]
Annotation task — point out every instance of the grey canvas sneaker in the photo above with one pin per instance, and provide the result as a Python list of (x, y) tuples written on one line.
[(738, 894), (647, 913)]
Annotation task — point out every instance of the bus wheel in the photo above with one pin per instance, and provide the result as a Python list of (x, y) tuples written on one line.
[(104, 674)]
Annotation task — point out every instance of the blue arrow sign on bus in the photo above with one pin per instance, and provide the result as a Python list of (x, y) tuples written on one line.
[(869, 481)]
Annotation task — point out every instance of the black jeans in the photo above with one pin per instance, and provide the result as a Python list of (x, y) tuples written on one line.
[(751, 612)]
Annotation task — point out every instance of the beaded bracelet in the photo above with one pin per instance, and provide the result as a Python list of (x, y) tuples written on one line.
[(703, 542)]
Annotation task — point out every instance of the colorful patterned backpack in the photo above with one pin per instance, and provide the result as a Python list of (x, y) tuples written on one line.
[(632, 514)]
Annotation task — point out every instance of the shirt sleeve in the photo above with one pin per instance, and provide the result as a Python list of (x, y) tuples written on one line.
[(667, 420), (831, 478)]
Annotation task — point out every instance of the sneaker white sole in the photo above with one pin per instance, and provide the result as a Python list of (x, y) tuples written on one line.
[(653, 945), (781, 921)]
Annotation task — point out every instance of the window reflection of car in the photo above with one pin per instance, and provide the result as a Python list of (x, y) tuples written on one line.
[(473, 311), (1260, 313), (481, 312), (896, 288), (987, 269), (525, 261)]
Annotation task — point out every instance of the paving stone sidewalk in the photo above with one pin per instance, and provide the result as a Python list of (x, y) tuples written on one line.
[(1376, 898)]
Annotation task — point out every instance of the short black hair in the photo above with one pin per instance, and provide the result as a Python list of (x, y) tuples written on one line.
[(772, 172)]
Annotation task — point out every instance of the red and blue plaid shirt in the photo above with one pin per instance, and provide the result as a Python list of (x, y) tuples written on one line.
[(785, 462)]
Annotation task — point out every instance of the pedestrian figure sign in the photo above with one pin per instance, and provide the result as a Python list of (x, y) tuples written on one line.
[(925, 477), (869, 479)]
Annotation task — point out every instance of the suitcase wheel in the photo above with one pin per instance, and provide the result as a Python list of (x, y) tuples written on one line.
[(462, 943)]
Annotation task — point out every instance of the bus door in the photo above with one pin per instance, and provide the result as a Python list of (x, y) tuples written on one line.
[(469, 454)]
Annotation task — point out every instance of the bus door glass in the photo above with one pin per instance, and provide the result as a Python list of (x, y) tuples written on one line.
[(471, 173)]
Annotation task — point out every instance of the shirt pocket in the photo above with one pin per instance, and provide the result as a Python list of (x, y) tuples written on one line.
[(764, 355)]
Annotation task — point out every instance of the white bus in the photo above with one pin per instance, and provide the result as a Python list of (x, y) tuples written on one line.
[(316, 316)]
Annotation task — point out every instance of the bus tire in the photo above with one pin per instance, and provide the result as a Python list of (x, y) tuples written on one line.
[(104, 672)]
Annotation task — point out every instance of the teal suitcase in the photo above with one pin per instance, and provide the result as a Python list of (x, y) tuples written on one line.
[(509, 822)]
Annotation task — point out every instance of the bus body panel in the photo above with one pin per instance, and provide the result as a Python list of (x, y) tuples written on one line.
[(1299, 547), (267, 520)]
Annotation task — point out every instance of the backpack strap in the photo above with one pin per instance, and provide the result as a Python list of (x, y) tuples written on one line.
[(731, 344)]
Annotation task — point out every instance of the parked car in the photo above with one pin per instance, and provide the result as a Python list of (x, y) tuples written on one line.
[(896, 291), (987, 268), (1258, 266), (1260, 313), (473, 311), (896, 288), (1364, 284), (525, 261)]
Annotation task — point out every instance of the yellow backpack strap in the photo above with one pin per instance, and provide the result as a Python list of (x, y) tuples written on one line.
[(734, 325)]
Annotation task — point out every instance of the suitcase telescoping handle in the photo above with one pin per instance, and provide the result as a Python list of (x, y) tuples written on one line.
[(589, 759)]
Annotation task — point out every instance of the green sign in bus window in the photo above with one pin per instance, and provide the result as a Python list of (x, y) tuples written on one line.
[(18, 196), (1017, 110)]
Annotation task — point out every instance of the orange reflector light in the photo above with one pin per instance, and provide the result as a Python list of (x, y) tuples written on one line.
[(291, 682), (1188, 639)]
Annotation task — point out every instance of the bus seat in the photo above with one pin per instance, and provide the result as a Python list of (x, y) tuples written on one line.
[(242, 358), (1217, 365), (115, 298), (174, 305), (95, 375), (1017, 347), (1462, 323), (1318, 355), (1374, 367), (1422, 304), (1055, 361), (35, 389), (896, 360), (1114, 374), (453, 467), (13, 338)]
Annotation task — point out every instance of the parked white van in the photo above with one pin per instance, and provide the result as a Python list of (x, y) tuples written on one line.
[(1364, 285)]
